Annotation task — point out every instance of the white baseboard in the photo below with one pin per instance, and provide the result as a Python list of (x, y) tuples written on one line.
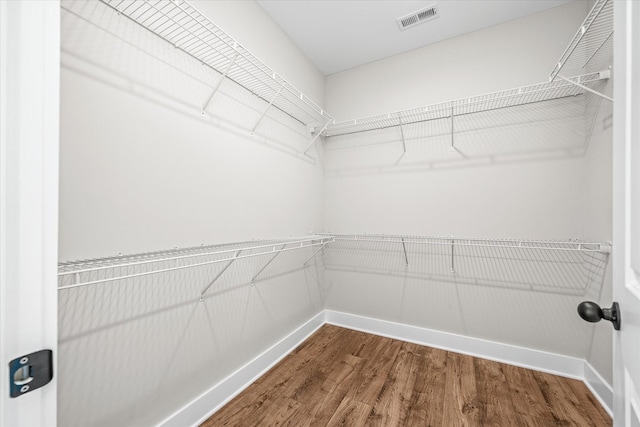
[(601, 389), (202, 407), (551, 363), (217, 396)]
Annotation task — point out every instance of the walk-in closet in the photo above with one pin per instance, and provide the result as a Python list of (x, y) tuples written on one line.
[(321, 213)]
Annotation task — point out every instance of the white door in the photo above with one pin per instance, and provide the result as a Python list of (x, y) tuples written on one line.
[(29, 100), (626, 209)]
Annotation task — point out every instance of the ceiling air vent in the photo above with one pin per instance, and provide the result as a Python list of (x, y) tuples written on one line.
[(418, 17)]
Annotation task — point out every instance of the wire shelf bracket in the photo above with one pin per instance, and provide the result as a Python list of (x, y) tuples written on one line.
[(316, 137), (577, 83), (453, 247), (315, 253), (591, 46), (204, 291), (404, 145), (453, 147), (217, 86), (267, 264), (264, 113), (406, 258)]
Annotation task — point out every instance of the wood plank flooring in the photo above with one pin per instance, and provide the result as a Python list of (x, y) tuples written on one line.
[(341, 377)]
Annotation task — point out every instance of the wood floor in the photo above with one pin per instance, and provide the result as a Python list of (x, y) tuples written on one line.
[(341, 377)]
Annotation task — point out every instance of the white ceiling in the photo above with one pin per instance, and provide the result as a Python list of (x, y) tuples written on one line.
[(341, 34)]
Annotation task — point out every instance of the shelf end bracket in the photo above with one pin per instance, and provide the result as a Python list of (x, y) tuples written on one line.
[(267, 109), (588, 89), (404, 145), (267, 264), (316, 137), (215, 89), (406, 259), (204, 291), (315, 253)]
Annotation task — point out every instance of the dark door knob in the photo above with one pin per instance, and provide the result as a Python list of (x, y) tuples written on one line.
[(591, 312)]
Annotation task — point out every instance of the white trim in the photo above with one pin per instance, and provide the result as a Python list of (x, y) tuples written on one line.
[(202, 407), (29, 146), (600, 388), (565, 366)]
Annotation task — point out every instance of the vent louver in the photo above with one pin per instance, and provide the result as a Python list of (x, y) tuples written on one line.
[(418, 17)]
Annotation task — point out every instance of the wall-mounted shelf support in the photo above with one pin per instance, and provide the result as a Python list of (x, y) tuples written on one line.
[(453, 147), (267, 109), (406, 258), (453, 269), (404, 145), (267, 264), (315, 253), (204, 291), (592, 40), (606, 39), (583, 87), (316, 137), (215, 89)]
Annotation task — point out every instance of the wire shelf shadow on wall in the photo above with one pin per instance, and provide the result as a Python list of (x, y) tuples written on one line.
[(588, 58), (170, 54), (538, 121), (188, 30), (145, 310), (556, 267), (76, 274), (144, 285)]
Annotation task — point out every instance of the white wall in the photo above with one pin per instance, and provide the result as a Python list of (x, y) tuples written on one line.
[(516, 53), (133, 137), (521, 176), (141, 170), (260, 35)]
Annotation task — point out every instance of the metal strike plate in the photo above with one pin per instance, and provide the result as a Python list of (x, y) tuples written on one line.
[(30, 372)]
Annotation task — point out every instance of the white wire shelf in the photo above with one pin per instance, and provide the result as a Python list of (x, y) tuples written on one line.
[(184, 27), (82, 273), (592, 45), (541, 92), (551, 245), (550, 266)]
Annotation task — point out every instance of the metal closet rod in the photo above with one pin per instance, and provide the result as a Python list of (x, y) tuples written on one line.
[(196, 18), (276, 247), (570, 246)]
